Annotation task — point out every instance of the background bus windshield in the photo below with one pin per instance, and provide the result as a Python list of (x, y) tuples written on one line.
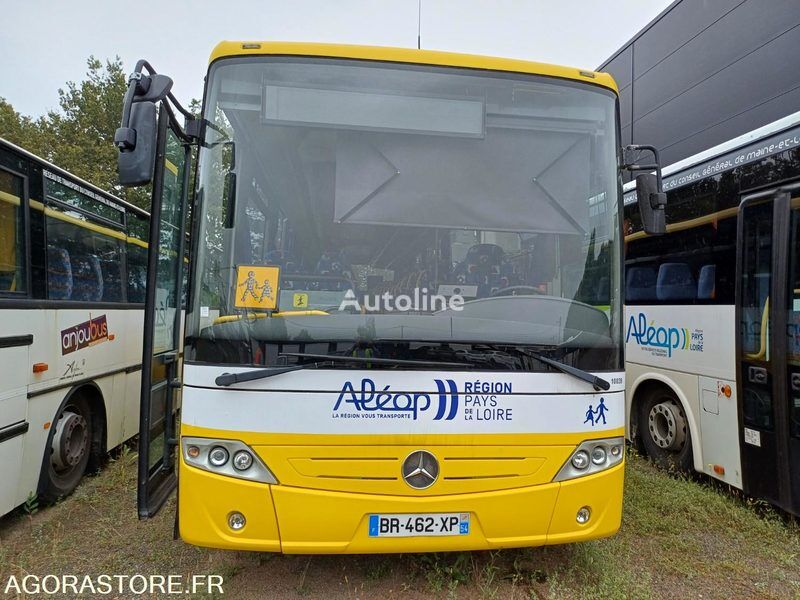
[(399, 210)]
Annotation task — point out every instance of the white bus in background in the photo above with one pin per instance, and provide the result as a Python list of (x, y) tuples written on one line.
[(713, 316), (73, 263)]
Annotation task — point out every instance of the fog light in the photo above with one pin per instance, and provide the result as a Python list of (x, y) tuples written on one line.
[(218, 456), (582, 517), (580, 460), (236, 521), (242, 460), (616, 450), (193, 451), (598, 455)]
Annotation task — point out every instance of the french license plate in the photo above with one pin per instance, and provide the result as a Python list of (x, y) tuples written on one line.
[(419, 524)]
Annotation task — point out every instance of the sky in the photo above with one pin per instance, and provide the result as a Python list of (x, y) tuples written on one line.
[(45, 43)]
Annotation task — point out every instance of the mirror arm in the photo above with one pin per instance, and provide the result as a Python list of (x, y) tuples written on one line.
[(145, 84)]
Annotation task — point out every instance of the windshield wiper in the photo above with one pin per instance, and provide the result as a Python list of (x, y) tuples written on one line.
[(227, 379), (598, 382)]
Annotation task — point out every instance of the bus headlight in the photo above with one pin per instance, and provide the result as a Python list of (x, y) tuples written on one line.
[(213, 455), (242, 460), (592, 456), (599, 455), (217, 457), (580, 460)]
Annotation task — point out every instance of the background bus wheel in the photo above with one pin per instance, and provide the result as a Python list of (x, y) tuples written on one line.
[(664, 431), (69, 445)]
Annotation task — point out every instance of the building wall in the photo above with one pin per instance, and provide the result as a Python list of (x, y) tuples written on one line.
[(705, 71)]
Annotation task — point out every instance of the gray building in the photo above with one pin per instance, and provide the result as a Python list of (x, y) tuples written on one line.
[(705, 71)]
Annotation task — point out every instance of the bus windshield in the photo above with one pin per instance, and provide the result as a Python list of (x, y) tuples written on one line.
[(353, 206)]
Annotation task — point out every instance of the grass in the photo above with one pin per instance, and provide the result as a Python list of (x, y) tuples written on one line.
[(680, 538)]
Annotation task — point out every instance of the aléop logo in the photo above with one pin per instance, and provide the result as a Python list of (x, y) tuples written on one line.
[(368, 401), (661, 340)]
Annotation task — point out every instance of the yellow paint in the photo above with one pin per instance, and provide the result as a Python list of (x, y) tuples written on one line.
[(274, 315), (300, 300), (410, 56), (8, 239), (257, 287), (204, 502), (171, 166), (376, 469), (762, 343), (299, 515), (690, 223), (10, 198)]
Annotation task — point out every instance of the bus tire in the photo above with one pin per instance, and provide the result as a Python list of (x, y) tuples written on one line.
[(664, 430), (69, 446)]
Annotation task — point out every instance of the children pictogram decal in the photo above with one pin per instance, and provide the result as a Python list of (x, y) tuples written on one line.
[(593, 415), (257, 287)]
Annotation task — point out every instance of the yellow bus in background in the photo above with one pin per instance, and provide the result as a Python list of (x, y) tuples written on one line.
[(404, 321)]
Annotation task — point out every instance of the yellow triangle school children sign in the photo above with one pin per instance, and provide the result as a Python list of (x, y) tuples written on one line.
[(257, 287)]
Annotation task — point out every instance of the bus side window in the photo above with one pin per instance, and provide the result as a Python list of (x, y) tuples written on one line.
[(136, 256), (82, 261), (12, 253), (137, 273)]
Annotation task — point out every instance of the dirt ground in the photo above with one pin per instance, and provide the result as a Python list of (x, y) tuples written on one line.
[(680, 539)]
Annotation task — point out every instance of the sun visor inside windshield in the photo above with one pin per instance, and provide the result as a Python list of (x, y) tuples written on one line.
[(540, 181)]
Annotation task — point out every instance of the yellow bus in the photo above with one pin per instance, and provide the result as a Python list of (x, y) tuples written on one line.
[(404, 320)]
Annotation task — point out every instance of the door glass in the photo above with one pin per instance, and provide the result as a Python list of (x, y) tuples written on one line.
[(12, 231), (167, 299), (755, 318), (169, 267), (793, 320), (162, 341)]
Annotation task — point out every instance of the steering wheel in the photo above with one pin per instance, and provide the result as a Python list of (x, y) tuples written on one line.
[(517, 290)]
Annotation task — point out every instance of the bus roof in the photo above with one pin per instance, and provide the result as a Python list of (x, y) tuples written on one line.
[(410, 56), (65, 173), (756, 135)]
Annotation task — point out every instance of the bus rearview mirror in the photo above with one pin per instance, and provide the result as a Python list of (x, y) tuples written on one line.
[(652, 204), (137, 145)]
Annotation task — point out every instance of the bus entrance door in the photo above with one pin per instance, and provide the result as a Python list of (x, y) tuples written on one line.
[(162, 333), (768, 348)]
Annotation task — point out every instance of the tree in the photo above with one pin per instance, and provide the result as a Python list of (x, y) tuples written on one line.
[(79, 137), (83, 130), (22, 130)]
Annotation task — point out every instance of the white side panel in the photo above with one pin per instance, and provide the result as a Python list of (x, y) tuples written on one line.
[(689, 339), (77, 345), (691, 349), (13, 412), (11, 455), (719, 431)]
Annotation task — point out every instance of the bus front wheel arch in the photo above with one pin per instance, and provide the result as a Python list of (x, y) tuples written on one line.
[(75, 444), (662, 429)]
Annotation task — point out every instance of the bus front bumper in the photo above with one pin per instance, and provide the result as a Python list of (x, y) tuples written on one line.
[(297, 520)]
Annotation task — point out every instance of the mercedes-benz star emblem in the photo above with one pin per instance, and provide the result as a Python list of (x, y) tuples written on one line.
[(420, 469)]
